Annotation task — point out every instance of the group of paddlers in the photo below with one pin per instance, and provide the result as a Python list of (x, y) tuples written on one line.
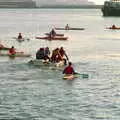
[(56, 56)]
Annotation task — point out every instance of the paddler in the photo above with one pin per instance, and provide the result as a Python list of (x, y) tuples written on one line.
[(12, 51), (52, 33), (40, 54), (113, 26), (67, 27), (69, 69), (20, 36), (46, 53)]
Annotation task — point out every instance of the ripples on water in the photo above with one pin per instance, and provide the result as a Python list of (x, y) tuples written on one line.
[(36, 93)]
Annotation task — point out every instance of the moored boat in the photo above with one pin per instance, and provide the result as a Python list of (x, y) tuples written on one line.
[(111, 8), (52, 38)]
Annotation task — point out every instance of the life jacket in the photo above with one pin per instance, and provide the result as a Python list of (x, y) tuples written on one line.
[(12, 51), (69, 70)]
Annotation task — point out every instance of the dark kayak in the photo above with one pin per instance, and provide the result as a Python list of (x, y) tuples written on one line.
[(55, 35), (70, 29), (52, 38)]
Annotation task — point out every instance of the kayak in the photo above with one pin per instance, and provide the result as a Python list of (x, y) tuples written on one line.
[(117, 28), (52, 38), (70, 29), (21, 40), (41, 62), (4, 48), (15, 55), (69, 77), (55, 35)]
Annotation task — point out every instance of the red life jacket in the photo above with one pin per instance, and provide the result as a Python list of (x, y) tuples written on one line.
[(69, 70), (12, 51)]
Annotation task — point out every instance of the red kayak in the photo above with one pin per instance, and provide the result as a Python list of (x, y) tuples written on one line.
[(53, 38)]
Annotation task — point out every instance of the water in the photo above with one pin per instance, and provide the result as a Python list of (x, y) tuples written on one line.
[(36, 93)]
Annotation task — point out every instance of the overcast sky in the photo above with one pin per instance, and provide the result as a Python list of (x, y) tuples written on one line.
[(50, 1), (98, 1)]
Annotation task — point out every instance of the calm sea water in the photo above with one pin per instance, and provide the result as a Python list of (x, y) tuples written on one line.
[(39, 93)]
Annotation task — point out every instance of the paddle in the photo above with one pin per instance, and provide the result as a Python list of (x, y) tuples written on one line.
[(83, 75)]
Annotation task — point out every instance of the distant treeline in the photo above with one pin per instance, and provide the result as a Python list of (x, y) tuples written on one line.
[(74, 6)]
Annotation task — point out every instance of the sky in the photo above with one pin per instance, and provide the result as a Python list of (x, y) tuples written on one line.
[(101, 2)]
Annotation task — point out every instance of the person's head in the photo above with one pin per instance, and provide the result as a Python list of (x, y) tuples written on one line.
[(70, 63), (61, 47), (113, 25), (12, 47), (19, 33), (56, 49), (41, 49), (47, 48)]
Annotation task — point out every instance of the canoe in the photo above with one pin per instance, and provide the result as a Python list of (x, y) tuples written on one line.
[(69, 77), (55, 35), (70, 29), (52, 38), (15, 55)]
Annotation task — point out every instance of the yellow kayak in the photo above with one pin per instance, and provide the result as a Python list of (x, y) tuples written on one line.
[(69, 77)]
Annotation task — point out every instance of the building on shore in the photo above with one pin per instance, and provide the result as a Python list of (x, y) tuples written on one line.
[(42, 3), (17, 4)]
